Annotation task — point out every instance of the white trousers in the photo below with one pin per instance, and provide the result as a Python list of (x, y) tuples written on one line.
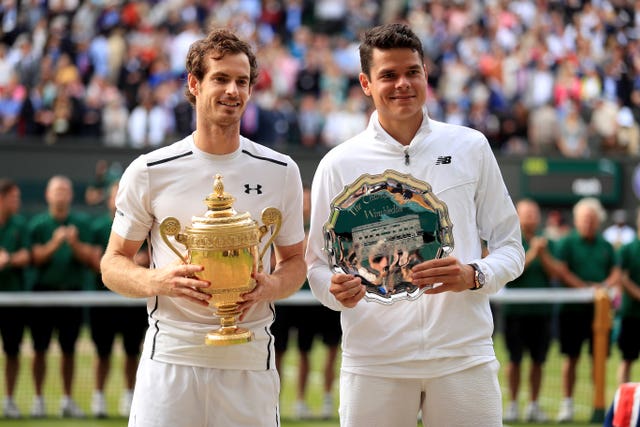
[(169, 395), (470, 398)]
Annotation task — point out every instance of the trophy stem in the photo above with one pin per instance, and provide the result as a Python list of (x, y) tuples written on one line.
[(229, 332)]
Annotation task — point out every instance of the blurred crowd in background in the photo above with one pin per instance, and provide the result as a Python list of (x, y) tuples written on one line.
[(536, 76)]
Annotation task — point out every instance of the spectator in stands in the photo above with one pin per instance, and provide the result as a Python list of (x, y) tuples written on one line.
[(256, 124), (310, 121), (573, 136), (66, 115), (627, 132), (543, 131), (115, 118), (61, 250), (284, 122), (333, 82), (567, 86), (96, 94), (66, 72), (179, 46), (6, 67), (12, 96), (629, 310), (308, 77), (132, 74), (455, 77), (537, 54), (107, 322), (400, 355), (603, 125), (14, 257), (586, 261), (539, 88), (329, 16), (619, 232), (514, 128), (27, 62), (325, 326), (528, 327), (343, 120), (634, 103), (147, 123)]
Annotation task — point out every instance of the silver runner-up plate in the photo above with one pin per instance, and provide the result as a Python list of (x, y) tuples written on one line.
[(382, 225)]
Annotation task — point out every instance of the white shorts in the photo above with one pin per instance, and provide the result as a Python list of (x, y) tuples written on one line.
[(169, 395), (467, 398)]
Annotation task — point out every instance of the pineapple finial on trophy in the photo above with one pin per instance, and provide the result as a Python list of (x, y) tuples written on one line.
[(218, 185), (219, 202)]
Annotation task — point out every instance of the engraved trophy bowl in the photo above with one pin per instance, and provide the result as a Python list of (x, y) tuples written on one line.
[(380, 226), (226, 243)]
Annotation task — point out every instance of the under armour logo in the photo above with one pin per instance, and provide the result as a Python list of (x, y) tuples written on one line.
[(443, 160), (257, 188)]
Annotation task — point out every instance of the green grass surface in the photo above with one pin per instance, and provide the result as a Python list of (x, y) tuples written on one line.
[(123, 423), (84, 383)]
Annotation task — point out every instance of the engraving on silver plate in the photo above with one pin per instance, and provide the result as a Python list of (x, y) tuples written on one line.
[(383, 225)]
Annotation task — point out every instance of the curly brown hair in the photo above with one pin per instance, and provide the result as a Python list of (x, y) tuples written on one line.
[(218, 43)]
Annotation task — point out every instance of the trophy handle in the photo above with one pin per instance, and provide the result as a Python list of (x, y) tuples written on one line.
[(270, 216), (171, 227)]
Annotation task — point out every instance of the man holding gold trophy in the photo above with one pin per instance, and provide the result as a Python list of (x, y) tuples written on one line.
[(208, 357), (399, 216)]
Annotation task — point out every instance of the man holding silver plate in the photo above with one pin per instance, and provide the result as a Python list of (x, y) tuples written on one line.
[(208, 357), (399, 216)]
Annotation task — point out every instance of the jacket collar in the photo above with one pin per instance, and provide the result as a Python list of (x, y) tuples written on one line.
[(380, 134)]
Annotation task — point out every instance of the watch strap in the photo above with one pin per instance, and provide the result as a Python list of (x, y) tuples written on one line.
[(478, 278)]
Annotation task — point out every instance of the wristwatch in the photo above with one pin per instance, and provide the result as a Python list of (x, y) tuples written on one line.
[(478, 279)]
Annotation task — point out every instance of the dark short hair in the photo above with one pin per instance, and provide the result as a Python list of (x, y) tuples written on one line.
[(219, 43), (387, 36), (6, 185)]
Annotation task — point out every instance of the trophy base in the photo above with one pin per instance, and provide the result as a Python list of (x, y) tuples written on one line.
[(229, 335)]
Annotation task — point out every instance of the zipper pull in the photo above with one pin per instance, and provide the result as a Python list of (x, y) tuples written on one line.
[(406, 156)]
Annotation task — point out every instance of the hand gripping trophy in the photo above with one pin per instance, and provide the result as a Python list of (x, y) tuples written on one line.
[(226, 244)]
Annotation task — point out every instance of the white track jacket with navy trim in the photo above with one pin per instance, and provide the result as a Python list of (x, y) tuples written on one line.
[(435, 334)]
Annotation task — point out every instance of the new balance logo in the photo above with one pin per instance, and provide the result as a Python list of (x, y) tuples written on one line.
[(443, 160), (248, 189)]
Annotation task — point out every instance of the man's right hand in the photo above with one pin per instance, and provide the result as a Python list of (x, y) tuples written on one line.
[(347, 289), (179, 280)]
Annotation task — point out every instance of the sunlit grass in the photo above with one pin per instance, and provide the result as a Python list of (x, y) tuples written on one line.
[(84, 384)]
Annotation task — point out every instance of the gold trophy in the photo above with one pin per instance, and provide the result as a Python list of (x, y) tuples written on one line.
[(226, 244)]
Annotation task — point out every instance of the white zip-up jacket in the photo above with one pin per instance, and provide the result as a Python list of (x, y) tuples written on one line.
[(435, 334)]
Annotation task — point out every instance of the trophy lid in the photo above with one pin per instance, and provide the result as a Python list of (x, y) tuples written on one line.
[(220, 208)]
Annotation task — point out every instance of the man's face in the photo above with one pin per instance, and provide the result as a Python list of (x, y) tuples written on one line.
[(59, 193), (10, 202), (222, 95), (397, 84), (586, 222), (529, 216)]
